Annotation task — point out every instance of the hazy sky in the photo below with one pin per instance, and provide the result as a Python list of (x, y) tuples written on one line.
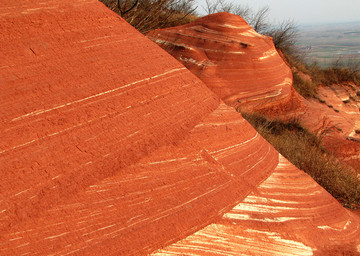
[(305, 11)]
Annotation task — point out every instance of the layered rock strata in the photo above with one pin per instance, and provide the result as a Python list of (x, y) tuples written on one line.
[(109, 146), (238, 64), (246, 71)]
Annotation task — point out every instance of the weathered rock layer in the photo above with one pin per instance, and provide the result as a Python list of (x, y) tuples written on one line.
[(275, 220), (109, 146), (238, 64), (246, 71), (343, 103)]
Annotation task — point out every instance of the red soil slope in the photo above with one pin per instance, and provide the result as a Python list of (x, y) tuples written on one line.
[(109, 146), (245, 70)]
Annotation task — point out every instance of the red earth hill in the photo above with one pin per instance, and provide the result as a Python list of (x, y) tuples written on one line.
[(109, 146), (246, 71)]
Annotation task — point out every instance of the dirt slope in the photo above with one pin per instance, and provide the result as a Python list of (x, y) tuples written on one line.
[(245, 70), (109, 146)]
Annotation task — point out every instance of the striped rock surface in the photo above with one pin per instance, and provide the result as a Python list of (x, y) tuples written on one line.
[(343, 103), (288, 214), (233, 60), (109, 146), (244, 69)]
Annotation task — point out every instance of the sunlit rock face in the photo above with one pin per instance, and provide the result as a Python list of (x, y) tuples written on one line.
[(275, 219), (238, 64), (343, 104), (109, 146), (244, 69)]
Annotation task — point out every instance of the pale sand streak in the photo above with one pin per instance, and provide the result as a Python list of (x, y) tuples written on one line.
[(237, 145), (37, 9), (159, 41), (40, 111), (150, 219), (216, 239), (232, 26), (221, 123), (93, 39), (268, 54), (55, 133), (52, 237), (168, 211), (109, 42)]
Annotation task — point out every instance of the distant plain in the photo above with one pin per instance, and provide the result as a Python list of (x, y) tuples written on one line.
[(325, 44)]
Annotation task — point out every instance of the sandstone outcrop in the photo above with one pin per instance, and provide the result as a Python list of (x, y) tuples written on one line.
[(238, 64), (246, 71), (109, 146), (343, 103)]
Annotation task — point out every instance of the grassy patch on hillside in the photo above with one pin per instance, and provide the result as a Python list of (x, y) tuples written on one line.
[(307, 89), (303, 149), (147, 15), (337, 73), (334, 75)]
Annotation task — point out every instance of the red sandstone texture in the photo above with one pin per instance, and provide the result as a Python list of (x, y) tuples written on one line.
[(245, 70), (109, 146), (343, 101), (233, 60)]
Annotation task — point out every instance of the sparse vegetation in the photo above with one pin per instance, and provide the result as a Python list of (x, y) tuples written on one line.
[(284, 37), (146, 15), (284, 34), (303, 149), (339, 72), (306, 88), (256, 19), (327, 42)]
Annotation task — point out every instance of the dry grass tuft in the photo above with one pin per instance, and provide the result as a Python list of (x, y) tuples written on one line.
[(334, 75), (303, 149), (338, 73), (147, 15), (307, 89)]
